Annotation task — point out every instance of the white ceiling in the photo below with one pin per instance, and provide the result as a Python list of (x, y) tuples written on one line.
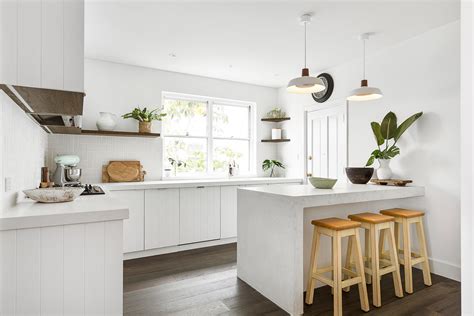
[(249, 41)]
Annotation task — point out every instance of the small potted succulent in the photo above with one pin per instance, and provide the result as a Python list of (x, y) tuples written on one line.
[(269, 164), (144, 118)]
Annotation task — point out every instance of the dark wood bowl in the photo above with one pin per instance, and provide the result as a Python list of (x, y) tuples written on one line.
[(359, 175)]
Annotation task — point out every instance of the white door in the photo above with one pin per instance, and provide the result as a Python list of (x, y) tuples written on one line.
[(327, 142), (199, 214), (161, 218), (133, 227)]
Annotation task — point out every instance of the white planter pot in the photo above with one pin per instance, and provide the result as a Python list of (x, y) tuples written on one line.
[(384, 172), (106, 122)]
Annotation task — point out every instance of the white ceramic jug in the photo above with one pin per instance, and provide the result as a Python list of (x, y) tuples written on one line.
[(106, 122)]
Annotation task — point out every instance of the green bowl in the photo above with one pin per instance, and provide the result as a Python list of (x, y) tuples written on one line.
[(322, 183)]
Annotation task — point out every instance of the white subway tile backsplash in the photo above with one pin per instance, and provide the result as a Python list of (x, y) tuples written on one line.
[(96, 151)]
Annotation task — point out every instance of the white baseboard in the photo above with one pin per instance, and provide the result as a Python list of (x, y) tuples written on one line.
[(446, 269), (161, 251)]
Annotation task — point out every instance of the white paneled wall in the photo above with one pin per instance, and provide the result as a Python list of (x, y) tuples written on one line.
[(23, 146), (62, 270), (96, 151), (42, 43)]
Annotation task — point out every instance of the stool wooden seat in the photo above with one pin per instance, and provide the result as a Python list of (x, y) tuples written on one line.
[(400, 212), (378, 228), (405, 217), (337, 228)]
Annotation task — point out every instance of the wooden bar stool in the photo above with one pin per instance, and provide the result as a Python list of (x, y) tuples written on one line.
[(337, 228), (379, 227), (405, 218)]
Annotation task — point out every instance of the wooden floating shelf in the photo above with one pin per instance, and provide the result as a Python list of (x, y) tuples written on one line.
[(118, 133), (275, 140), (271, 119)]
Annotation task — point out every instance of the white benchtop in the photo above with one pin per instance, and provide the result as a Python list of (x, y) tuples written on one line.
[(85, 209), (163, 184), (308, 196)]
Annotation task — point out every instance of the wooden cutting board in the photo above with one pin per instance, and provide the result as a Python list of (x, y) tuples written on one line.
[(395, 182), (123, 171)]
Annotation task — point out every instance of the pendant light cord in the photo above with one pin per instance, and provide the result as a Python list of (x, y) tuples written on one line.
[(305, 44), (363, 58)]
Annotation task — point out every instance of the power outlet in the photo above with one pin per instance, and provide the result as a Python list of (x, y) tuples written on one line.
[(8, 184)]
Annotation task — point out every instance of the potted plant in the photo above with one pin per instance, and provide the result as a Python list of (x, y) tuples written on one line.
[(269, 164), (144, 118), (388, 133), (175, 164)]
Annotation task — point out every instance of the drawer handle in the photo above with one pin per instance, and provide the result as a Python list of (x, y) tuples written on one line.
[(200, 187)]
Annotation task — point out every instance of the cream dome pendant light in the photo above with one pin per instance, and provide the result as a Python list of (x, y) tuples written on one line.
[(364, 93), (305, 83)]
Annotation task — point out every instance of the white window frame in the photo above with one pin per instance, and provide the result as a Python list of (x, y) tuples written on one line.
[(210, 101)]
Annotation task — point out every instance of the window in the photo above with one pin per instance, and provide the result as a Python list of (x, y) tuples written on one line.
[(202, 136)]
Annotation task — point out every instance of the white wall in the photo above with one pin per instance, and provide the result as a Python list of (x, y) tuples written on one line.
[(23, 146), (118, 88), (467, 193), (420, 74)]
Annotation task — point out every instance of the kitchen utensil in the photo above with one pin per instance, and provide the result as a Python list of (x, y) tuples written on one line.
[(322, 183), (54, 195), (66, 172), (359, 175), (123, 171), (394, 182), (106, 122), (73, 174)]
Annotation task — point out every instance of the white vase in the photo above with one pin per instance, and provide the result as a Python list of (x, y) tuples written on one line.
[(106, 122), (384, 172)]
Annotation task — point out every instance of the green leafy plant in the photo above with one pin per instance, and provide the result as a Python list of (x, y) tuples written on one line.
[(269, 164), (388, 131), (144, 115)]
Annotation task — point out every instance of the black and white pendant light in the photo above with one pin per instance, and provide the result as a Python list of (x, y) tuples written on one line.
[(364, 93), (305, 83)]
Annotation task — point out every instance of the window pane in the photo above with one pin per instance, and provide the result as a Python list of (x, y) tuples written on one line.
[(226, 151), (230, 121), (191, 151), (185, 118)]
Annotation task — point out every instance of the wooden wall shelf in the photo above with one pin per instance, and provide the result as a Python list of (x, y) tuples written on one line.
[(118, 133), (275, 140), (280, 119)]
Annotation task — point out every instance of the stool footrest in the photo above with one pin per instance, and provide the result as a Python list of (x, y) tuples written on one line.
[(386, 270), (351, 281), (323, 279)]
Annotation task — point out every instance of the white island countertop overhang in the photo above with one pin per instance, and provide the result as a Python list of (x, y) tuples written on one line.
[(274, 231)]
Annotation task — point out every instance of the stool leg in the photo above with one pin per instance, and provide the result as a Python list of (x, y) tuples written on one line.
[(337, 273), (348, 259), (313, 267), (407, 257), (382, 243), (376, 295), (397, 239), (359, 262), (397, 281), (424, 253), (368, 277)]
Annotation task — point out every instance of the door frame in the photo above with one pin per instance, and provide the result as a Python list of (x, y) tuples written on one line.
[(343, 103)]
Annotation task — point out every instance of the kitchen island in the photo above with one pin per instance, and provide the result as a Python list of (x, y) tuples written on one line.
[(274, 231), (62, 258)]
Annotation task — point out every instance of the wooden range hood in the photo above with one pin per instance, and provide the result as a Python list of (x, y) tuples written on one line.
[(56, 111)]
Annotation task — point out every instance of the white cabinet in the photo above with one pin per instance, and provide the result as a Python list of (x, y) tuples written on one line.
[(42, 43), (199, 214), (161, 218), (229, 211), (133, 227)]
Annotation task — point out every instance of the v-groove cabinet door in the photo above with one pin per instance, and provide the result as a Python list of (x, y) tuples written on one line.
[(199, 216), (133, 227), (161, 218)]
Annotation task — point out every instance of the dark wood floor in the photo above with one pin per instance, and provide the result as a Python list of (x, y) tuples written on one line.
[(204, 282)]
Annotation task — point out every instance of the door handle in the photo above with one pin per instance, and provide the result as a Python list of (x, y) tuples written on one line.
[(200, 187)]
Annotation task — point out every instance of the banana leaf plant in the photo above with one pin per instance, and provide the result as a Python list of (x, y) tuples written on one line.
[(388, 133), (269, 164)]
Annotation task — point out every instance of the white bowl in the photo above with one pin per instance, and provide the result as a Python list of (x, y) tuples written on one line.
[(54, 195)]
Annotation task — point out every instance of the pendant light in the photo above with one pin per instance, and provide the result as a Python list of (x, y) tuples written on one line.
[(305, 83), (364, 93)]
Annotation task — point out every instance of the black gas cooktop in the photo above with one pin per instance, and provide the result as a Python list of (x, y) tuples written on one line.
[(90, 189)]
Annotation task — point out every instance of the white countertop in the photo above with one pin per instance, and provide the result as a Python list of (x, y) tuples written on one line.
[(163, 184), (85, 209), (308, 196)]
